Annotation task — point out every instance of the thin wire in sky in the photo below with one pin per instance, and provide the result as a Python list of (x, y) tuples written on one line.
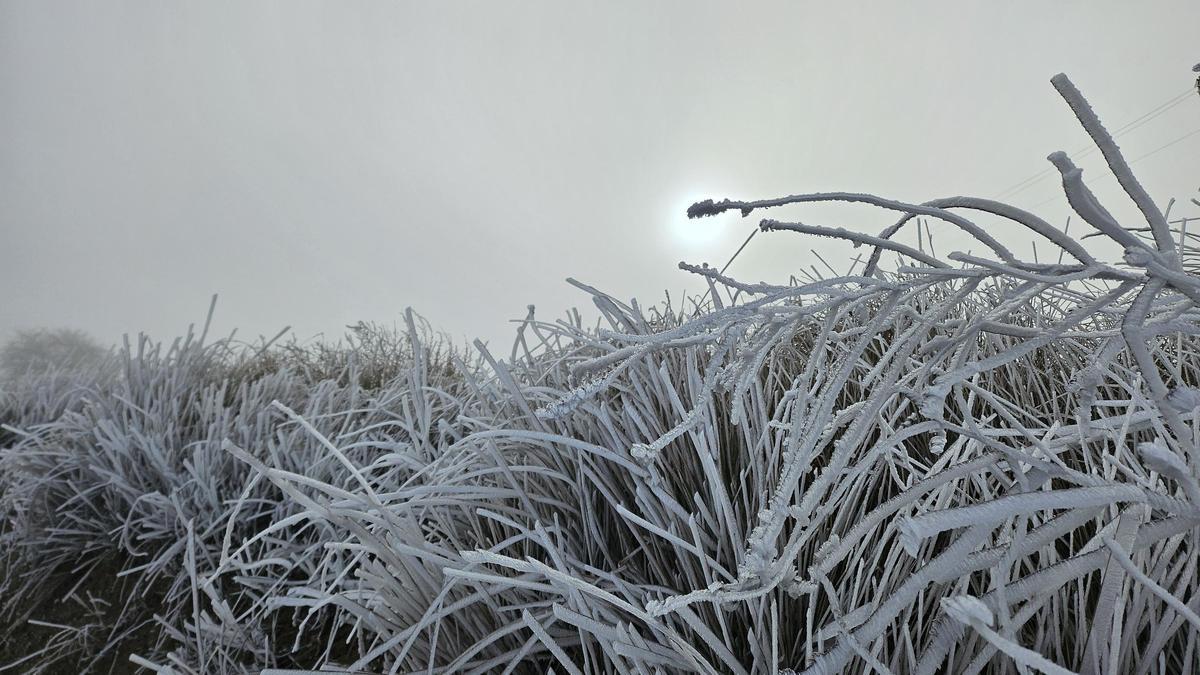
[(1132, 161), (1140, 121)]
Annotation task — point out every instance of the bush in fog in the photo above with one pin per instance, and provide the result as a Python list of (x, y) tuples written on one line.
[(369, 354), (45, 349)]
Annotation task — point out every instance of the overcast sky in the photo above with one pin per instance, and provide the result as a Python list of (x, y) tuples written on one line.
[(320, 163)]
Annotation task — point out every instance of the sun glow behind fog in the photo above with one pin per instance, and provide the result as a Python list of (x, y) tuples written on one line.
[(695, 235)]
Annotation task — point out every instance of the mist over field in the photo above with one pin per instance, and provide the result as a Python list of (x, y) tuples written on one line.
[(622, 339), (317, 165)]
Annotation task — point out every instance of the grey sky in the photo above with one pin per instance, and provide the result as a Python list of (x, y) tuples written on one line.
[(320, 163)]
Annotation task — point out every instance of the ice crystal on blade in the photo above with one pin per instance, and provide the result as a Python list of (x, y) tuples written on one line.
[(572, 400)]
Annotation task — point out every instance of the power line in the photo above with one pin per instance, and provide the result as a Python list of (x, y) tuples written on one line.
[(1132, 161), (1130, 126), (1133, 124), (1090, 148), (1124, 129)]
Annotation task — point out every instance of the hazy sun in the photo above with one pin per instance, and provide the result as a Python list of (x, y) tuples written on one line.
[(696, 232)]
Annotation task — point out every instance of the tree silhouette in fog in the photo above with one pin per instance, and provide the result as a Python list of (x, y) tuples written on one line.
[(43, 349)]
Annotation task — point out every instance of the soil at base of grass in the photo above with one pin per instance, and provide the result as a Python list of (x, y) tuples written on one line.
[(103, 596)]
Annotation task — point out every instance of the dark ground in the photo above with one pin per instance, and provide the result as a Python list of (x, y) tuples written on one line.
[(82, 626)]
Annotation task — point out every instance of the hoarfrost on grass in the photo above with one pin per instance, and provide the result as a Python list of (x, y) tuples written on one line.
[(957, 465)]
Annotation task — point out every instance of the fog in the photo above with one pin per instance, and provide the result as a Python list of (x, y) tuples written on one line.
[(316, 164)]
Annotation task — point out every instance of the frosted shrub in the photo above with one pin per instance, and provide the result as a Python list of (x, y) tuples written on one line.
[(33, 352)]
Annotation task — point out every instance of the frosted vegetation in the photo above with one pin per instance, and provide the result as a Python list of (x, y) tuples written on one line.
[(975, 463), (34, 352)]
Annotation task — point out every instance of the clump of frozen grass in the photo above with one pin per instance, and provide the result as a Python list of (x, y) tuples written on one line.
[(873, 443), (963, 464), (132, 475)]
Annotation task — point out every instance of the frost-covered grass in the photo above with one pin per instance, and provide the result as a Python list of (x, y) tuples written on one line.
[(977, 463)]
